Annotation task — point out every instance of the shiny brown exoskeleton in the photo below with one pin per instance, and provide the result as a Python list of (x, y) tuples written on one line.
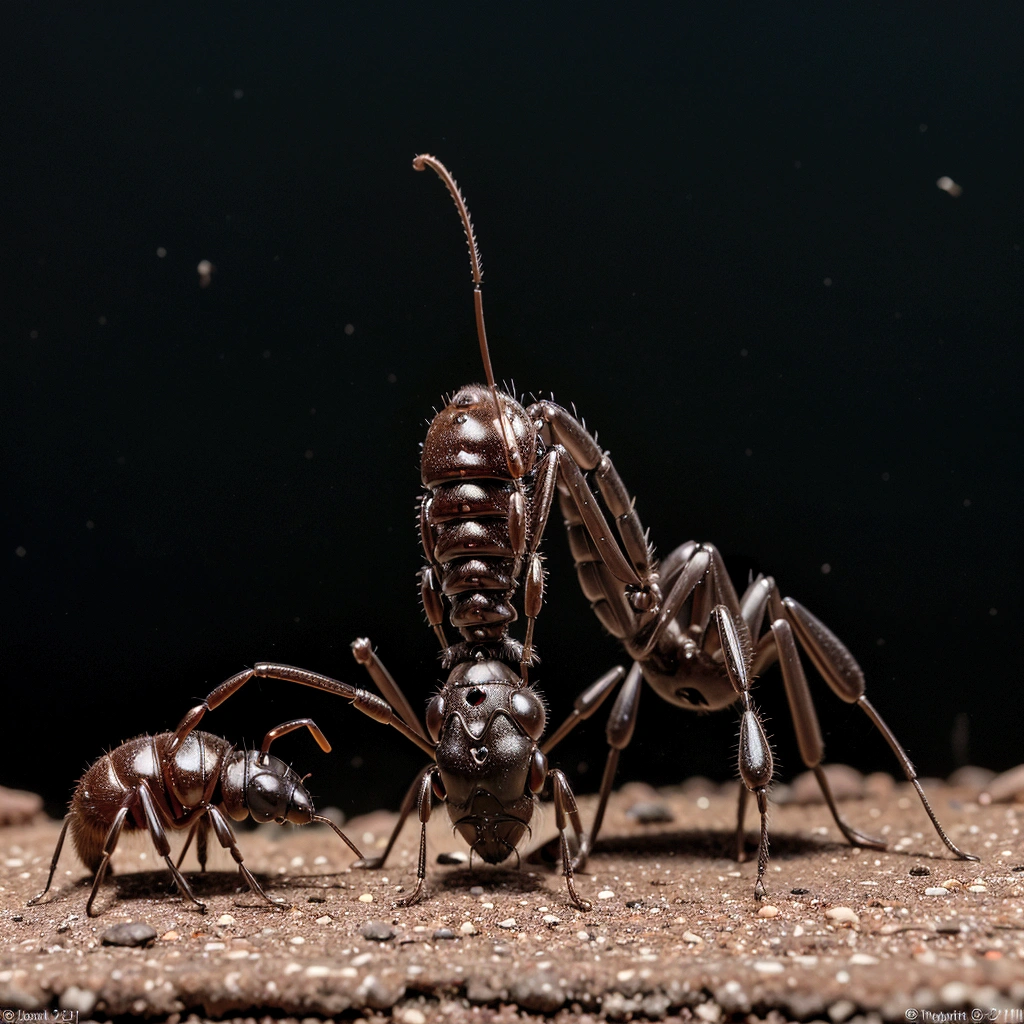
[(199, 784), (491, 480), (483, 737)]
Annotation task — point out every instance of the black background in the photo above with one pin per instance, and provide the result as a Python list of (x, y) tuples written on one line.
[(660, 198)]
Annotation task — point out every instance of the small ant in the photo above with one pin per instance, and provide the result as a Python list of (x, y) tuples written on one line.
[(197, 784)]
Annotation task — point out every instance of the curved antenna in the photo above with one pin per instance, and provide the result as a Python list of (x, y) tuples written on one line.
[(513, 457), (420, 163)]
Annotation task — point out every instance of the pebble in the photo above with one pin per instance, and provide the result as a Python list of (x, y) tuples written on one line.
[(297, 940), (605, 894), (650, 813), (171, 936), (134, 933), (841, 1010), (551, 919), (476, 890), (367, 897), (953, 884), (768, 911), (509, 922), (456, 857), (936, 890), (690, 937), (326, 919), (411, 1015), (225, 919), (213, 947), (468, 928), (709, 1012), (842, 915), (633, 904), (377, 931), (920, 871), (768, 966), (977, 888), (81, 999), (443, 933), (316, 899)]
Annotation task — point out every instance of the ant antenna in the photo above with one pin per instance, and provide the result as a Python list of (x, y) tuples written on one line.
[(419, 163)]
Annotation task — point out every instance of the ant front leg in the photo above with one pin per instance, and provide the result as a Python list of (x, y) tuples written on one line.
[(566, 812), (427, 781), (226, 838)]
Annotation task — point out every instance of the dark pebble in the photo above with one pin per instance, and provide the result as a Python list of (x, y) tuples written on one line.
[(316, 899), (17, 917), (1019, 867), (134, 933), (650, 813), (451, 858), (377, 931), (949, 928), (799, 892), (444, 933), (634, 903), (920, 871), (540, 992)]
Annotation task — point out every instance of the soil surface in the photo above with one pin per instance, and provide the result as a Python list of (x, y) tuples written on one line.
[(674, 931)]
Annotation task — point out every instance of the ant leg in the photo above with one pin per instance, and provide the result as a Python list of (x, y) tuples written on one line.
[(226, 838), (362, 651), (565, 808), (779, 643), (159, 834), (584, 706), (408, 803), (430, 590), (53, 863), (755, 753), (194, 716), (109, 845), (844, 676), (423, 803), (619, 732), (198, 831)]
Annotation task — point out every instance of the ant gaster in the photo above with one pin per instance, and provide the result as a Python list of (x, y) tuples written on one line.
[(197, 784)]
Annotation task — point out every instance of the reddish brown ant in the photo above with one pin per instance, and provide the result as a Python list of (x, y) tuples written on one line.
[(199, 785)]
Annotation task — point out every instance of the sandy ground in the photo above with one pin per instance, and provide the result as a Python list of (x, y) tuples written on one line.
[(674, 933)]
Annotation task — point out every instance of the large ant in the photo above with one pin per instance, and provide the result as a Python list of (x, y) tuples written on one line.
[(491, 477), (152, 783)]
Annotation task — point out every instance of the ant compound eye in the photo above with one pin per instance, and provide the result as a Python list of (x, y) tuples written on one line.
[(435, 717), (528, 712), (475, 696)]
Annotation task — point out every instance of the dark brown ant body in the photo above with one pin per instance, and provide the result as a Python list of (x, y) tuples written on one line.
[(491, 480), (199, 784)]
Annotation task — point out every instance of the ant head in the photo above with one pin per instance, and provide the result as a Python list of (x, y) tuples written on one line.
[(273, 792)]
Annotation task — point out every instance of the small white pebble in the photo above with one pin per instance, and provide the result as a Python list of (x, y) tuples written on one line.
[(768, 966), (362, 960), (978, 888), (583, 936), (320, 860), (367, 897), (690, 937), (606, 894), (625, 975), (703, 803), (768, 911), (297, 940), (225, 919), (936, 890), (843, 977), (212, 947), (467, 928), (326, 919), (551, 919), (297, 862), (317, 971), (509, 922), (842, 915), (412, 1016)]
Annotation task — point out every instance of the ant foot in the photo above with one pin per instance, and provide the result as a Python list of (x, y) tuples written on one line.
[(369, 863)]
